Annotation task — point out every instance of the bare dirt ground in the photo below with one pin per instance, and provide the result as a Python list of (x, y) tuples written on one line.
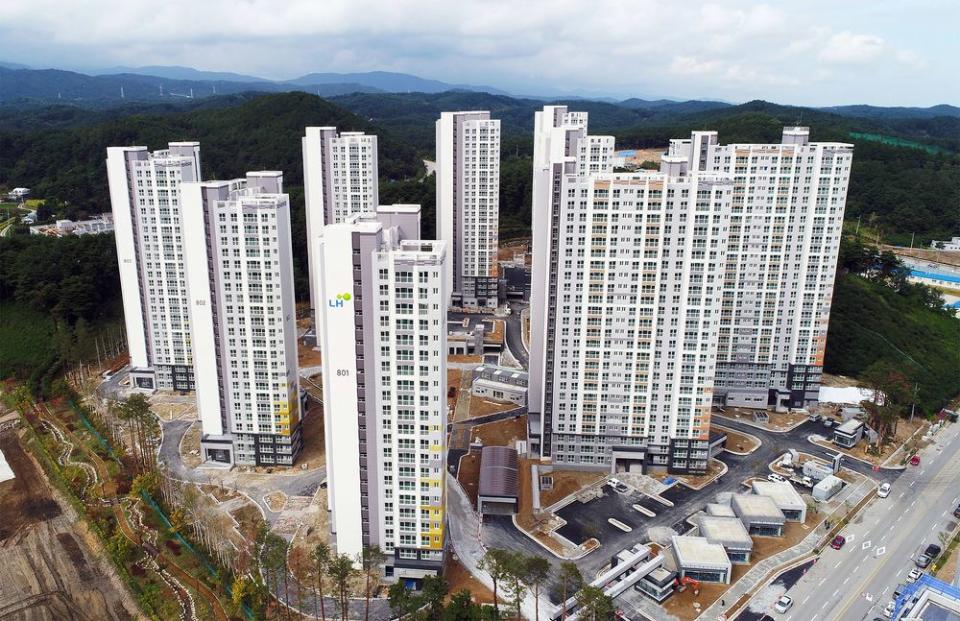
[(481, 407), (566, 482), (778, 420), (839, 381), (453, 381), (314, 453), (48, 567), (739, 442), (458, 578), (276, 500), (947, 257), (469, 475), (502, 432), (314, 526), (190, 446), (465, 359)]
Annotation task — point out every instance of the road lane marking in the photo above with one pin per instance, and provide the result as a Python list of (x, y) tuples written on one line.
[(933, 528), (805, 599), (899, 572), (912, 483), (835, 566), (913, 503), (921, 472), (846, 580), (866, 545), (835, 593)]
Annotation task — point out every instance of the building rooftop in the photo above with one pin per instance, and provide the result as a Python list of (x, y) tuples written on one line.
[(499, 472), (783, 494), (720, 510), (698, 552), (756, 508), (850, 427), (727, 531)]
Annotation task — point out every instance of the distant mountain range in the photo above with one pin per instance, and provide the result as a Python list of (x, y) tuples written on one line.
[(117, 85)]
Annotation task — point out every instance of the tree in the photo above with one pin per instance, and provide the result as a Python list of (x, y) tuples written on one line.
[(569, 580), (297, 562), (120, 547), (495, 563), (402, 601), (461, 608), (594, 604), (371, 558), (431, 595), (321, 558), (536, 570), (516, 568), (341, 570), (274, 559), (239, 590)]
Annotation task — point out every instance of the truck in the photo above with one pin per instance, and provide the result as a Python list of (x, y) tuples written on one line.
[(827, 488), (816, 471), (802, 481)]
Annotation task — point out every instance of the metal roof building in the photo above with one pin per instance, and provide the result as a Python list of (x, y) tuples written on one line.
[(759, 514), (730, 533), (701, 560), (499, 481), (788, 500)]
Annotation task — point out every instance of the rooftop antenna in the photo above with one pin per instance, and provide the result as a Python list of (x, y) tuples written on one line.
[(121, 92), (161, 90), (191, 93), (214, 89)]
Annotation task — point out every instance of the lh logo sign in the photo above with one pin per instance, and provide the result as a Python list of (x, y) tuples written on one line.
[(338, 302)]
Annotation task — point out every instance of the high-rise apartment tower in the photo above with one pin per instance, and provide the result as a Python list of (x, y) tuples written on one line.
[(148, 219), (468, 205)]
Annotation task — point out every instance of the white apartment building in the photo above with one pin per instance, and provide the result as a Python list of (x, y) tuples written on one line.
[(240, 283), (340, 178), (382, 328), (626, 306), (785, 227), (468, 205), (148, 219)]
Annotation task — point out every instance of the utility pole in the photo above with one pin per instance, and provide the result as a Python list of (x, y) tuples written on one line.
[(912, 235), (857, 232)]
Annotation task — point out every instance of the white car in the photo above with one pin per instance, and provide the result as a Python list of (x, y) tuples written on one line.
[(783, 604), (884, 490), (888, 611), (776, 478), (914, 574)]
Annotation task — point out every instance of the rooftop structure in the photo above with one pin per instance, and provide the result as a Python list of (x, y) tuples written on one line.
[(102, 223), (499, 482), (730, 533), (759, 514), (720, 510), (701, 560), (787, 499)]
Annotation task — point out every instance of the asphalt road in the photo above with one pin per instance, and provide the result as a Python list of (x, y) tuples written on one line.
[(857, 581)]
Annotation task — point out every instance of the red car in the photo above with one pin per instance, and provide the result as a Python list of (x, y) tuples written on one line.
[(915, 460), (838, 542)]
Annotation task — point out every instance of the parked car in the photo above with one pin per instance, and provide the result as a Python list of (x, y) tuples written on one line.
[(815, 418), (915, 460), (922, 561), (828, 423), (914, 575), (776, 478), (933, 551), (783, 604), (888, 611), (956, 512), (884, 490), (838, 542)]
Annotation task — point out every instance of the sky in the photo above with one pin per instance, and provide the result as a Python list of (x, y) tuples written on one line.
[(806, 52)]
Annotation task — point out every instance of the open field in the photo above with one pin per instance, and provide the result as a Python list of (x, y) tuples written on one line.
[(502, 432), (48, 569)]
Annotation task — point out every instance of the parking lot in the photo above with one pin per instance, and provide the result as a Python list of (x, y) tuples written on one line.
[(586, 520)]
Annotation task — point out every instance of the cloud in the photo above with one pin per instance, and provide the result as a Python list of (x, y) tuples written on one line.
[(727, 49), (848, 47)]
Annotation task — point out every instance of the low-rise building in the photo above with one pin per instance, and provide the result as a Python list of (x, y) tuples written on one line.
[(786, 497), (759, 514), (500, 384), (730, 533), (827, 488), (849, 433), (499, 483), (18, 194), (928, 599), (102, 223), (701, 560), (952, 244), (720, 510)]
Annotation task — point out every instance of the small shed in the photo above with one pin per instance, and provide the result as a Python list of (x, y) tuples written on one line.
[(787, 499), (499, 481), (849, 433), (731, 534), (759, 514), (701, 560), (827, 488)]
